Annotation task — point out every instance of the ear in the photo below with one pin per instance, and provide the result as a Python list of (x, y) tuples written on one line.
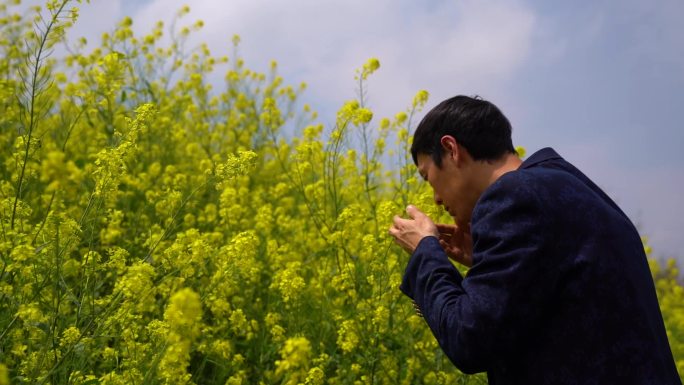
[(450, 146)]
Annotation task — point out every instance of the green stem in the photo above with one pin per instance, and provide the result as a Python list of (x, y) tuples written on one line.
[(37, 67)]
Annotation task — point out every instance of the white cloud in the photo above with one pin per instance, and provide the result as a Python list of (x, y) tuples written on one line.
[(446, 48), (649, 195), (95, 19)]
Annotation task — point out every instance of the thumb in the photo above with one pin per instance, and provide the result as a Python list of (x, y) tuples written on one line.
[(414, 212)]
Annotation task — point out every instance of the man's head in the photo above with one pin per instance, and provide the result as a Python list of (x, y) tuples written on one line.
[(460, 147), (476, 124)]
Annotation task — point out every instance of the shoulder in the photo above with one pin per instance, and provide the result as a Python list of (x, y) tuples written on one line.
[(512, 215), (534, 191), (528, 184)]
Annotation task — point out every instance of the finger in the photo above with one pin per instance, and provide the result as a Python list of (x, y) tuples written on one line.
[(414, 212), (445, 237), (417, 309), (445, 242), (397, 220), (445, 228)]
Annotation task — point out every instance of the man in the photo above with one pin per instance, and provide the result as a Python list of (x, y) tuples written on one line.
[(558, 291)]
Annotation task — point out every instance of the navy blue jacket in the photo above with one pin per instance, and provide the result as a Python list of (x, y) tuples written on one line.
[(559, 291)]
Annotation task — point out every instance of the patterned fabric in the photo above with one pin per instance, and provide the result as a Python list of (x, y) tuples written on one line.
[(559, 292)]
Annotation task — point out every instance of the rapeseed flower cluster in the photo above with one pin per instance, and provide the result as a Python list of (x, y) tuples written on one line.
[(160, 229), (295, 360), (668, 280)]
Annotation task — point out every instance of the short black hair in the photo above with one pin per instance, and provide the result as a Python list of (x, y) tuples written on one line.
[(476, 124)]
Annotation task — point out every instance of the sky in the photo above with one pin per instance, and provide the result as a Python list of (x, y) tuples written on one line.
[(600, 81)]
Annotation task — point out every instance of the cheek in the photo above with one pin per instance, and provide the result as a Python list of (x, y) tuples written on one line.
[(460, 202), (445, 192), (453, 190)]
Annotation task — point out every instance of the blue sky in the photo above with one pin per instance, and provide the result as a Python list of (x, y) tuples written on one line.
[(601, 81)]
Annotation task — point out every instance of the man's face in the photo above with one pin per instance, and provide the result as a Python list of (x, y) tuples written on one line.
[(452, 186)]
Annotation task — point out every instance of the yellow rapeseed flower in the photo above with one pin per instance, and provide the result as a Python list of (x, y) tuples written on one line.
[(70, 336), (420, 99), (347, 338), (295, 355), (521, 151), (369, 67), (316, 376), (184, 311)]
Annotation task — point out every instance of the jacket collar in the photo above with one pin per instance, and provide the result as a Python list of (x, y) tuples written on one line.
[(542, 155)]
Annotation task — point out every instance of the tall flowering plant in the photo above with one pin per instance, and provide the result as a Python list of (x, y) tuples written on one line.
[(159, 228)]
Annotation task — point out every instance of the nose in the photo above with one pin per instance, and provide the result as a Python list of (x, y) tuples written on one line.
[(438, 200)]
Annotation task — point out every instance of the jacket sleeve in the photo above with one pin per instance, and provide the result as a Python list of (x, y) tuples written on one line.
[(486, 315)]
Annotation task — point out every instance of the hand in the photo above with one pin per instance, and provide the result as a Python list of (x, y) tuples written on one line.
[(409, 232), (457, 243)]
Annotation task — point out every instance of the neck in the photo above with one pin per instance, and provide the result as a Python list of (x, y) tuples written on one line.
[(495, 169)]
